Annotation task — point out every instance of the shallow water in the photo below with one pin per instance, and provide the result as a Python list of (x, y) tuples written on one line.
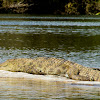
[(76, 38), (16, 89)]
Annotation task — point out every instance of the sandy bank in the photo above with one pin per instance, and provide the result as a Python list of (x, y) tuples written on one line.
[(8, 74)]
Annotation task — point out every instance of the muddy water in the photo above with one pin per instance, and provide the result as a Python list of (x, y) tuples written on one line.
[(76, 38)]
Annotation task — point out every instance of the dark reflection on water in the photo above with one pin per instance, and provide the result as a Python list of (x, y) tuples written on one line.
[(49, 42), (45, 90), (76, 38)]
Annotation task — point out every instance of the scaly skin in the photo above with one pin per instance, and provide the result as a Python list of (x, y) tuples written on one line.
[(51, 66), (79, 72)]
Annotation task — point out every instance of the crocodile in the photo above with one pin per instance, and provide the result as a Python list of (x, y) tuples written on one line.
[(52, 66)]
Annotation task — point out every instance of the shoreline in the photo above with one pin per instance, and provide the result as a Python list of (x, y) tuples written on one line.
[(22, 75), (50, 7)]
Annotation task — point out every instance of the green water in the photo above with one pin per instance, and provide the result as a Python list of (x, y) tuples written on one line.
[(75, 38)]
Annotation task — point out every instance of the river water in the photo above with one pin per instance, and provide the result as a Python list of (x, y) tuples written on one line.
[(75, 38)]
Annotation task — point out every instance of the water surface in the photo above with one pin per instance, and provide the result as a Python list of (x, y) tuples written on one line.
[(75, 38), (16, 89)]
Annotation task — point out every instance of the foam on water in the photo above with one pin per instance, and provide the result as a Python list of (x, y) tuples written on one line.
[(8, 74)]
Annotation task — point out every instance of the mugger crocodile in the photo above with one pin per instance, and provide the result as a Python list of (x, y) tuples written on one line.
[(51, 66)]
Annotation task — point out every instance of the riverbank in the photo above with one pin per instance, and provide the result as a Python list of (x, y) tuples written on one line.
[(57, 7), (8, 74)]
